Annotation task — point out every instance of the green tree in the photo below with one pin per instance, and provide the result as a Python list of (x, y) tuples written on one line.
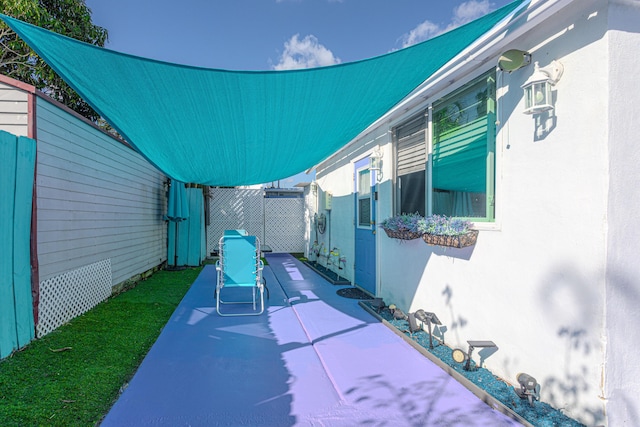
[(71, 18)]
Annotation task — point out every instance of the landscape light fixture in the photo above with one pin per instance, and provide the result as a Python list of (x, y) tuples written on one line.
[(413, 324), (529, 388), (458, 355), (396, 312), (537, 89), (378, 304), (428, 318)]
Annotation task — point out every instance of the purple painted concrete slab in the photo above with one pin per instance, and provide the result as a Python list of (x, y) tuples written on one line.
[(207, 370), (377, 373), (312, 359)]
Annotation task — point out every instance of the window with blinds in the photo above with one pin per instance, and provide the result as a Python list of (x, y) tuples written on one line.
[(411, 160), (462, 163)]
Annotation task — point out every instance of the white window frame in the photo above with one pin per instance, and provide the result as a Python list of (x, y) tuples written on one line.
[(359, 197)]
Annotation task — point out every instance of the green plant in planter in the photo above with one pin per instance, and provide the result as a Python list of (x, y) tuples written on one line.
[(452, 232), (441, 225), (414, 223), (435, 229), (405, 226)]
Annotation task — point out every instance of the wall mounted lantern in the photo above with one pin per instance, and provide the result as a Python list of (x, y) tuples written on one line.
[(375, 163), (314, 188), (537, 89)]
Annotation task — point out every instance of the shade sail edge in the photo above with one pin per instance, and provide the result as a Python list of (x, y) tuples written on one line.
[(228, 128)]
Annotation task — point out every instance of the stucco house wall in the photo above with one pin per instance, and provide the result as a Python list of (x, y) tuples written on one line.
[(553, 280), (337, 177), (622, 299)]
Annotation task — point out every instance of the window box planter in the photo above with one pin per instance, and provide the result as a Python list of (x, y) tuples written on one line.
[(403, 235), (405, 226), (436, 230), (459, 241)]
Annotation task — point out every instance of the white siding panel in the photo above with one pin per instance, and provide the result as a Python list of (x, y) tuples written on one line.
[(14, 109), (97, 199)]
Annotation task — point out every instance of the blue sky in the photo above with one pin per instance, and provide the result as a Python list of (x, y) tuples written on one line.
[(276, 34)]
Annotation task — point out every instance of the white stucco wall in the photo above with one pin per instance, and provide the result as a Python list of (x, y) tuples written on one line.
[(553, 282), (622, 375), (337, 177)]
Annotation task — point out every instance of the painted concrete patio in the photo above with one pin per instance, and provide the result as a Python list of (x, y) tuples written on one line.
[(312, 359)]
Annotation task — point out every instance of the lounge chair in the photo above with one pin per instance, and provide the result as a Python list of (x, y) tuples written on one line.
[(240, 275)]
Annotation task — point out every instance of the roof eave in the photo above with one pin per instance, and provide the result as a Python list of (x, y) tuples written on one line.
[(483, 50)]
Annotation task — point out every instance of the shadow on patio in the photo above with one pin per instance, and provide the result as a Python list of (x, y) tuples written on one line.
[(313, 358)]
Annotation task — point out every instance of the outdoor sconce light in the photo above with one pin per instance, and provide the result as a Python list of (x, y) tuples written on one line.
[(375, 163), (529, 388), (537, 89)]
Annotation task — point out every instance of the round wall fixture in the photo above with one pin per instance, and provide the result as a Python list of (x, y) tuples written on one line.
[(514, 59)]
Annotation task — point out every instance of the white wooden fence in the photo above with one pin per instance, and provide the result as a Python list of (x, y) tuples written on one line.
[(278, 222)]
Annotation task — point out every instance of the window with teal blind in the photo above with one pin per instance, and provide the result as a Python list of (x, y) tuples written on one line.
[(463, 153)]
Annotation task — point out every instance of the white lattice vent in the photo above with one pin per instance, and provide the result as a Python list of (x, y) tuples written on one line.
[(71, 294)]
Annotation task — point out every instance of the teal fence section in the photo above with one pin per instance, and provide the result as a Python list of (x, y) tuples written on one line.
[(196, 251), (18, 155), (192, 243)]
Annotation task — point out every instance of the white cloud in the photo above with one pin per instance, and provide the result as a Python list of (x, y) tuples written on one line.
[(466, 12), (424, 31), (305, 53)]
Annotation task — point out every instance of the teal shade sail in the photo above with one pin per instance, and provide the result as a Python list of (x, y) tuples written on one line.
[(229, 128)]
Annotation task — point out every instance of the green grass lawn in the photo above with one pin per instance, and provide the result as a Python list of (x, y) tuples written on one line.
[(72, 376)]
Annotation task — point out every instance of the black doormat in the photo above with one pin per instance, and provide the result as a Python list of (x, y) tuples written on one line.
[(353, 293)]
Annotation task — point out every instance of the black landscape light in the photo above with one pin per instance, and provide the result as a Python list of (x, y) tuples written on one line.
[(459, 356), (397, 313), (378, 304), (529, 388), (428, 318), (413, 324)]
